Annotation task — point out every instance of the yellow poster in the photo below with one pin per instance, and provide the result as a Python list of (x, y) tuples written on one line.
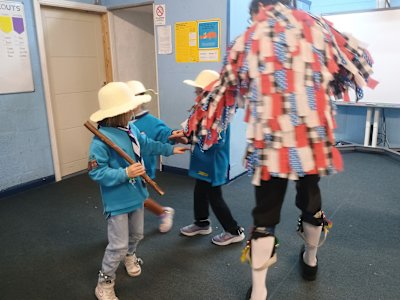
[(186, 48), (198, 41)]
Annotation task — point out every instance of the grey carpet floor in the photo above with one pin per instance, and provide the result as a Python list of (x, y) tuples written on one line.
[(52, 240)]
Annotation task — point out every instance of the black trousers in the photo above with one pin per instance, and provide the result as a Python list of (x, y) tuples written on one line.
[(270, 195), (206, 195)]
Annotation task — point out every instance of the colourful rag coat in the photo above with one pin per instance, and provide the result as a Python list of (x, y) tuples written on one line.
[(283, 70), (119, 193)]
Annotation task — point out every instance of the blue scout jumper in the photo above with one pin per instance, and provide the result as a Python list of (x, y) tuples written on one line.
[(119, 193), (212, 165), (154, 129)]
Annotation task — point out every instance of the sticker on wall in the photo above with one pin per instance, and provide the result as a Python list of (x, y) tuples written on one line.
[(159, 14), (16, 70), (198, 41)]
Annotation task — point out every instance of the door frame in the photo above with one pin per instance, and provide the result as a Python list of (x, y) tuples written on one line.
[(103, 12), (111, 16)]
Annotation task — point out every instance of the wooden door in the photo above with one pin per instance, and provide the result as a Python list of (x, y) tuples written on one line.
[(76, 70)]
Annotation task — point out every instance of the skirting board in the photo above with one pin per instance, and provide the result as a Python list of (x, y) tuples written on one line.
[(360, 148), (26, 186)]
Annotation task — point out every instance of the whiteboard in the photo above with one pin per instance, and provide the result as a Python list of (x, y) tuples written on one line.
[(380, 31), (15, 69)]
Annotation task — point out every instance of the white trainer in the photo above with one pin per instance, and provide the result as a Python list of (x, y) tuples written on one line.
[(167, 219), (132, 265), (105, 290)]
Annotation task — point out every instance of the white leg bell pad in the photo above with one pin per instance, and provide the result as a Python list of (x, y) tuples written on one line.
[(261, 252), (312, 235)]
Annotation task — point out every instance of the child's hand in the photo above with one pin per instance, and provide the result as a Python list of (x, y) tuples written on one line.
[(180, 150), (179, 137), (135, 170)]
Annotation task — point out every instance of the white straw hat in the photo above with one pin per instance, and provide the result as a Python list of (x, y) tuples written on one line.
[(115, 98), (138, 89), (204, 78)]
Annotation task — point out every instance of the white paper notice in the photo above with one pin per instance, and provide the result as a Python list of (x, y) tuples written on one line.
[(164, 40), (208, 55), (193, 39)]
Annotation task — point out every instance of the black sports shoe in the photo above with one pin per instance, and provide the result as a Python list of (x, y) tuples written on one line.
[(308, 273), (248, 294)]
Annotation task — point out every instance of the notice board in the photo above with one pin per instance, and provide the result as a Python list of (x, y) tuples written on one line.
[(16, 69)]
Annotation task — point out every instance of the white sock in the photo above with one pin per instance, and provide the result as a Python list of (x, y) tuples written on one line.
[(261, 250), (312, 235)]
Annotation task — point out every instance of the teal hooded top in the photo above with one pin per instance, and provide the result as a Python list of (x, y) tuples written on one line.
[(156, 130), (120, 194)]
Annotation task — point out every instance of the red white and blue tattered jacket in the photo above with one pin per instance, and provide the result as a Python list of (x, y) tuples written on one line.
[(284, 70)]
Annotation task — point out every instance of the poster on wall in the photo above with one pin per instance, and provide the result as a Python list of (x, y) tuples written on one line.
[(208, 36), (16, 69), (198, 41), (186, 49)]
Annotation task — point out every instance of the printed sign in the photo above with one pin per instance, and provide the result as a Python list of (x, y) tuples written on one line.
[(16, 69), (159, 14), (186, 49), (208, 34)]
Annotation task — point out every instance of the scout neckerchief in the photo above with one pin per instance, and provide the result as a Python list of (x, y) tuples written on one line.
[(136, 150), (135, 144)]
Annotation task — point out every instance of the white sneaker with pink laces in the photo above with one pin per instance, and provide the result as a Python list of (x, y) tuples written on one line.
[(167, 219)]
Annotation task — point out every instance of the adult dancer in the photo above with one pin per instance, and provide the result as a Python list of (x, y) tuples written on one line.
[(284, 69)]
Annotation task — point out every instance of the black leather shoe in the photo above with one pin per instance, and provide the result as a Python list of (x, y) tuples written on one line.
[(308, 273)]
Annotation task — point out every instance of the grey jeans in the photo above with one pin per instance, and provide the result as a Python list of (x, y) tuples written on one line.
[(124, 234)]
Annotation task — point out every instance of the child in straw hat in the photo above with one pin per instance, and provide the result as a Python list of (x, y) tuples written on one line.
[(122, 189), (157, 130), (210, 169)]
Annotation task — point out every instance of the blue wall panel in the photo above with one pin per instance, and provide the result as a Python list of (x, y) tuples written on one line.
[(175, 97), (25, 153), (395, 3)]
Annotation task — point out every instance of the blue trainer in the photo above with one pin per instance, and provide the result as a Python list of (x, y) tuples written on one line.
[(193, 229), (226, 238)]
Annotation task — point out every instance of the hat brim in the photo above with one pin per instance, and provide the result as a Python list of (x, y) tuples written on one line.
[(115, 111), (143, 99), (192, 83)]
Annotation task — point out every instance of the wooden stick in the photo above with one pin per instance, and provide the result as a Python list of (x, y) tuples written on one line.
[(123, 154)]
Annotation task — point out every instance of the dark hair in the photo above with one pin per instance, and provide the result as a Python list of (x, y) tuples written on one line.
[(253, 7), (120, 120)]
